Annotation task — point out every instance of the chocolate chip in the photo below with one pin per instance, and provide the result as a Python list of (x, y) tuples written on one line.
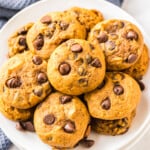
[(96, 63), (132, 35), (77, 48), (19, 126), (42, 77), (37, 60), (64, 68), (88, 58), (69, 127), (141, 84), (91, 46), (110, 45), (46, 20), (83, 82), (22, 41), (87, 143), (102, 37), (38, 42), (118, 89), (131, 58), (65, 99), (28, 125), (49, 119), (64, 25), (105, 104), (38, 92), (13, 82)]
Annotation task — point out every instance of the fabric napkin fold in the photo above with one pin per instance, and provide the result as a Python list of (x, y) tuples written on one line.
[(8, 8)]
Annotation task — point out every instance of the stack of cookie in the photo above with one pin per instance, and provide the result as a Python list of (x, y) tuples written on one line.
[(71, 71)]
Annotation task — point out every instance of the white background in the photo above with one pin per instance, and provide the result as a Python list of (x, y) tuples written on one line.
[(139, 9)]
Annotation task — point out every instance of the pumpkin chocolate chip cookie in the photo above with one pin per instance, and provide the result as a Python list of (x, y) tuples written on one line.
[(51, 30), (24, 81), (86, 17), (17, 42), (61, 120), (121, 41), (76, 67)]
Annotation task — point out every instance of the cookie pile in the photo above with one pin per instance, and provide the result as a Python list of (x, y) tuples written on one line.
[(72, 71)]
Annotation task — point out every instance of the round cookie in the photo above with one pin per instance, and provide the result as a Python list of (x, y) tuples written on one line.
[(51, 30), (24, 80), (139, 69), (116, 98), (17, 41), (121, 41), (76, 67), (61, 120), (86, 17), (112, 127), (13, 113)]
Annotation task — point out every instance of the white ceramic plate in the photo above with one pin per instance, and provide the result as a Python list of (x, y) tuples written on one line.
[(30, 141)]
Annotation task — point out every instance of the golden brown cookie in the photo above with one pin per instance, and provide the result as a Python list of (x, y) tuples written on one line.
[(113, 127), (24, 81), (61, 120), (51, 30), (86, 17), (121, 41), (17, 41), (139, 69), (76, 67), (14, 113), (116, 98)]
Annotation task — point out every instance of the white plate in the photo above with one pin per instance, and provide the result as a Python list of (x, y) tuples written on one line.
[(30, 141)]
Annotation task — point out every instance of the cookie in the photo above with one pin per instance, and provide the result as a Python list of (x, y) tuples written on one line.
[(86, 17), (116, 98), (112, 127), (139, 69), (51, 30), (17, 42), (76, 67), (13, 113), (61, 121), (24, 81), (121, 41)]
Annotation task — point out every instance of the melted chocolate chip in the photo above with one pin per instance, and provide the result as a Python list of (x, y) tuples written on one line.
[(102, 37), (64, 25), (22, 31), (22, 41), (13, 82), (110, 45), (83, 82), (46, 20), (131, 58), (69, 127), (106, 104), (87, 143), (118, 89), (91, 46), (42, 77), (49, 119), (77, 48), (141, 84), (38, 42), (37, 60), (96, 63), (38, 92), (88, 58), (132, 35), (64, 68), (65, 99), (27, 125)]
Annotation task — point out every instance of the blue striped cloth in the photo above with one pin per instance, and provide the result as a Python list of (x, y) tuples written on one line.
[(7, 9)]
